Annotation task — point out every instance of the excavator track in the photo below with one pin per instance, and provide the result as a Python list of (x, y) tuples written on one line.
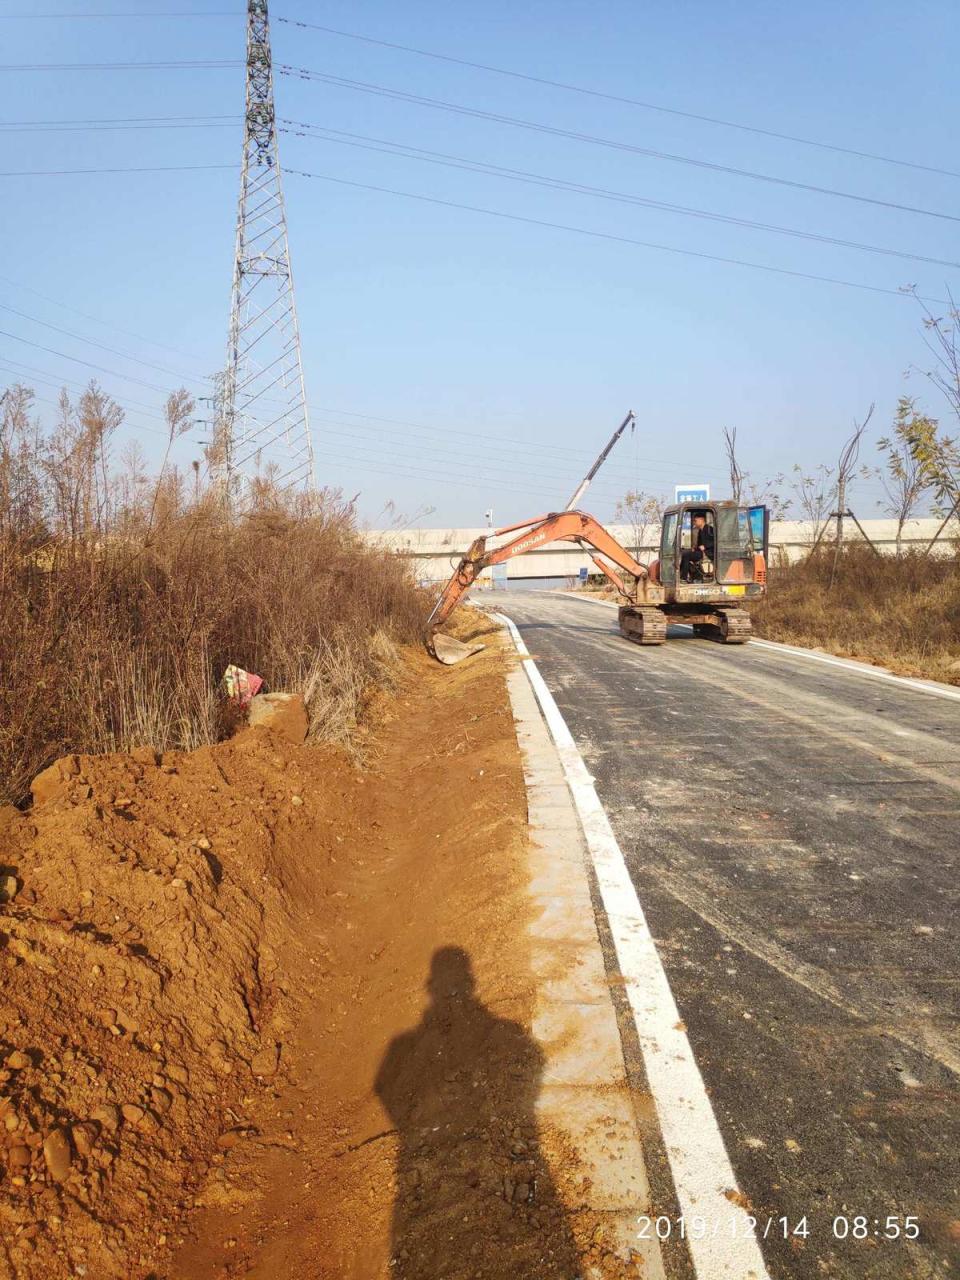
[(734, 625), (643, 626)]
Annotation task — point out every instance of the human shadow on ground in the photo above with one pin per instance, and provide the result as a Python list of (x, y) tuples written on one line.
[(474, 1195)]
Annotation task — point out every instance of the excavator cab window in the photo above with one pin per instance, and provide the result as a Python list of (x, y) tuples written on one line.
[(705, 570), (760, 528), (700, 569), (668, 549), (737, 544)]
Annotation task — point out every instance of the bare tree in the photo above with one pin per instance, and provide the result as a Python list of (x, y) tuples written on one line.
[(179, 411), (737, 477), (903, 477), (21, 502), (939, 454), (769, 493), (943, 343), (643, 512), (814, 492), (74, 461), (846, 469), (765, 493)]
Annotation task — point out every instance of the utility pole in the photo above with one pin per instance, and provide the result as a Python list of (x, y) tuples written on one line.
[(261, 424)]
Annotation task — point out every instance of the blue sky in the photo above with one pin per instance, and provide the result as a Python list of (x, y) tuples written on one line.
[(461, 361)]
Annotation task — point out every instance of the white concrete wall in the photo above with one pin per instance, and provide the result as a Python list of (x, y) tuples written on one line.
[(438, 550)]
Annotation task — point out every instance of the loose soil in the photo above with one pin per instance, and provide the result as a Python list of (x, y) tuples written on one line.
[(265, 1012)]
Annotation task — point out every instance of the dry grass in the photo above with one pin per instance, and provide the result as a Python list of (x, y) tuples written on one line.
[(122, 603), (903, 613)]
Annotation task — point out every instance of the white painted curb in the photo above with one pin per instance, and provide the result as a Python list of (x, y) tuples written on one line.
[(702, 1173)]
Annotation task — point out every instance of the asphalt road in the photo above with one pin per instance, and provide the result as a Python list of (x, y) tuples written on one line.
[(793, 832)]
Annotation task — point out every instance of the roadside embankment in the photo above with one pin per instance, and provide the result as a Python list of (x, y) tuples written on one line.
[(900, 612), (267, 1012), (115, 636)]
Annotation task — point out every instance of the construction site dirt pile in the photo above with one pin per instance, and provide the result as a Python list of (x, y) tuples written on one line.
[(266, 1012)]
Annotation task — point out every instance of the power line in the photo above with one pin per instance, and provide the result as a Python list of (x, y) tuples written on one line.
[(162, 168), (611, 489), (608, 235), (207, 64), (219, 13), (15, 284), (46, 377), (495, 447), (469, 435), (474, 480), (632, 102), (501, 447), (59, 384), (195, 378), (91, 342), (300, 129), (66, 126), (151, 386), (492, 455), (477, 113)]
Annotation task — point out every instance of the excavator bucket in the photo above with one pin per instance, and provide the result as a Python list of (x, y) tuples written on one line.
[(450, 651)]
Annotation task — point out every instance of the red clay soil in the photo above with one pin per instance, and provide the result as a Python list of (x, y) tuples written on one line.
[(266, 1013)]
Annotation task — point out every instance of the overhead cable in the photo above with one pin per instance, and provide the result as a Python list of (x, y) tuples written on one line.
[(609, 235), (299, 129), (625, 101), (516, 122)]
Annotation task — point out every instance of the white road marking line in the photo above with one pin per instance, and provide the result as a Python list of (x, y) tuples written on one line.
[(702, 1172), (861, 669), (847, 664)]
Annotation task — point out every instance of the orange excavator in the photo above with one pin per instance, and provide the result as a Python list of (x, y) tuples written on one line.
[(683, 585)]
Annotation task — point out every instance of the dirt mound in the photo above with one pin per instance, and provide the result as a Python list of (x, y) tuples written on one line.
[(266, 1013), (140, 990)]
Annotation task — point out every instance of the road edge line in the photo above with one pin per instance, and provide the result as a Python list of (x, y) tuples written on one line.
[(585, 1094), (703, 1176), (828, 659)]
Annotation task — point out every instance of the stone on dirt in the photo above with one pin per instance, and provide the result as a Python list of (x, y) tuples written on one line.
[(266, 1061), (52, 782), (57, 1154), (108, 1115), (84, 1137), (284, 713)]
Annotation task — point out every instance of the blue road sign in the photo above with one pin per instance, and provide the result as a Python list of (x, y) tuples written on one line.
[(583, 573), (691, 493)]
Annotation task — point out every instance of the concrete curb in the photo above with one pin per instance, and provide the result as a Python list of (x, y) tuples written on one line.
[(585, 1100)]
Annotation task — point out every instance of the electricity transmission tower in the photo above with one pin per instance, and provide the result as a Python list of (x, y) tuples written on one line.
[(262, 426)]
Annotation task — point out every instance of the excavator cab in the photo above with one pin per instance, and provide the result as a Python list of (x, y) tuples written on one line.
[(740, 545), (711, 595)]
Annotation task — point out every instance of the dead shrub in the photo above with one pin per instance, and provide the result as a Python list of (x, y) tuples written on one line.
[(121, 603), (900, 611)]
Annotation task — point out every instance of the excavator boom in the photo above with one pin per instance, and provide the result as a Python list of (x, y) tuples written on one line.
[(558, 526)]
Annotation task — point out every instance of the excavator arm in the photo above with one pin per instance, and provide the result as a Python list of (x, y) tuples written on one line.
[(561, 526)]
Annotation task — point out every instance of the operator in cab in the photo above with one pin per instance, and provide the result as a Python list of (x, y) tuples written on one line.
[(704, 541)]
